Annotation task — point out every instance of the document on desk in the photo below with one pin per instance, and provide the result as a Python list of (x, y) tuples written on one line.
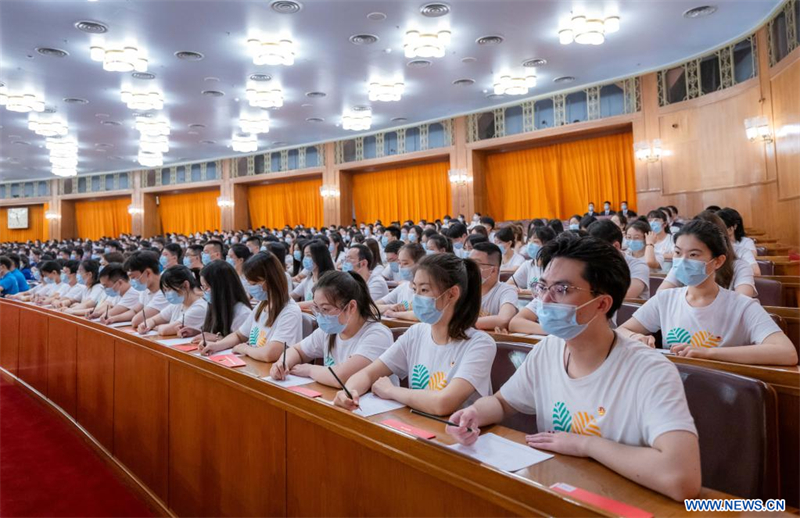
[(175, 341), (369, 404), (664, 351), (223, 352), (501, 453), (290, 381), (120, 324)]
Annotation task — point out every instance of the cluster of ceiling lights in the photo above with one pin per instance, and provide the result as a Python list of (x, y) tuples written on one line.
[(153, 141), (120, 59), (63, 156), (426, 45), (588, 31), (514, 85), (386, 92), (49, 127), (244, 143), (357, 121), (142, 101), (254, 123), (264, 97), (271, 51), (21, 102)]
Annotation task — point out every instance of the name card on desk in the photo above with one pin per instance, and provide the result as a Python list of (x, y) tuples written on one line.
[(175, 341), (607, 504), (501, 453), (306, 391), (407, 428), (186, 348), (228, 360), (290, 381), (369, 404), (120, 324)]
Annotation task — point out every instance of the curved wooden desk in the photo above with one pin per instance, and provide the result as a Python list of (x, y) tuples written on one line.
[(207, 440)]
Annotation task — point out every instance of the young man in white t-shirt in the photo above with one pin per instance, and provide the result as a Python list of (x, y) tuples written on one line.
[(359, 259), (142, 269), (121, 298), (498, 300), (606, 230), (595, 393)]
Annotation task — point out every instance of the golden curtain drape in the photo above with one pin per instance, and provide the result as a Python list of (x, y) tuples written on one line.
[(190, 212), (560, 180), (415, 192), (37, 226), (289, 203), (98, 218)]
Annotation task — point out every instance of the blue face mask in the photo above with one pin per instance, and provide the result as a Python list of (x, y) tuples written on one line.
[(429, 252), (205, 258), (690, 272), (111, 292), (37, 275), (330, 324), (49, 280), (412, 238), (107, 250), (331, 248), (425, 309), (64, 277), (257, 292), (308, 263), (533, 249), (404, 236), (347, 266), (656, 226), (425, 245), (574, 226), (297, 255), (81, 280), (635, 245), (384, 241), (406, 274), (138, 285), (502, 248), (394, 267), (173, 297), (96, 257), (187, 262), (230, 261), (163, 261), (458, 246), (207, 296), (560, 320)]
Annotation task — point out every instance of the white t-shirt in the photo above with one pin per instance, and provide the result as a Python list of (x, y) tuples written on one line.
[(527, 275), (129, 300), (742, 274), (635, 396), (370, 341), (402, 294), (386, 272), (515, 261), (303, 289), (639, 271), (377, 286), (665, 246), (195, 314), (732, 319), (62, 289), (155, 300), (76, 292), (288, 326), (45, 290), (744, 253), (499, 295), (431, 366), (241, 312)]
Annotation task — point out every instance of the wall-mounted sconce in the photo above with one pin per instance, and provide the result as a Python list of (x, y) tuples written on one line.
[(757, 129), (134, 210), (459, 177), (329, 191), (648, 151), (51, 215), (223, 202)]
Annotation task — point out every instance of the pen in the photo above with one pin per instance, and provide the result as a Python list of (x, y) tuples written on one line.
[(330, 368), (106, 313), (285, 349), (436, 418)]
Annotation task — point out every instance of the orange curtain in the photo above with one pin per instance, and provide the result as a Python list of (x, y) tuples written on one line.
[(103, 218), (37, 226), (560, 180), (416, 192), (289, 203), (189, 212)]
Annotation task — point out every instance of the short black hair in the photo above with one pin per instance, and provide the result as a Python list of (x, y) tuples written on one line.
[(491, 250), (175, 249), (604, 268), (394, 231), (606, 230), (365, 254), (5, 261), (394, 247), (218, 244), (486, 220), (50, 267), (586, 221), (713, 208), (505, 234), (141, 261), (456, 230), (442, 242)]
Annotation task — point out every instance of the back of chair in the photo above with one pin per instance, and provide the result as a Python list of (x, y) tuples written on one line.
[(509, 357), (770, 292), (625, 312), (736, 419), (767, 267), (655, 282), (779, 320), (309, 324), (761, 250)]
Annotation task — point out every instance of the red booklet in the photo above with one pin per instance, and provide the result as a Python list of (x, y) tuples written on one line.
[(228, 360), (186, 348), (407, 428), (607, 504), (306, 391)]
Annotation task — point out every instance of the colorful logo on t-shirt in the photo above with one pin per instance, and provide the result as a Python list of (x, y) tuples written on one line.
[(582, 423), (421, 379), (329, 361), (258, 338), (679, 335)]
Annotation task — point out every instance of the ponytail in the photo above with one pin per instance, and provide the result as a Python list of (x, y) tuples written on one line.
[(342, 287), (446, 271)]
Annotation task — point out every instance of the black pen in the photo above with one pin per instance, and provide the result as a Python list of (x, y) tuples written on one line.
[(285, 349), (106, 313), (330, 368), (144, 321), (203, 334), (436, 418)]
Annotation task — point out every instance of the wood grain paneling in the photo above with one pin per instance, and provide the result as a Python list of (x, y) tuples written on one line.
[(95, 402), (9, 338), (348, 479), (786, 127), (789, 446), (226, 449), (62, 381), (141, 392), (33, 349)]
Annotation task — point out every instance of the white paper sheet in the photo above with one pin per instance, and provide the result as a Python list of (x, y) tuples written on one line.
[(664, 351), (221, 353), (149, 333), (290, 381), (175, 341), (370, 404), (501, 453), (120, 324)]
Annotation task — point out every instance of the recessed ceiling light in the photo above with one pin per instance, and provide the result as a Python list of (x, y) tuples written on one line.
[(49, 109), (468, 59), (91, 27), (286, 6), (119, 58), (564, 79), (51, 52), (213, 93), (489, 40), (493, 96), (376, 16), (260, 77), (363, 39), (698, 12), (361, 108), (418, 63), (399, 119), (143, 75), (101, 115), (75, 100), (103, 145), (111, 123), (208, 142), (194, 132), (197, 125), (271, 51), (306, 105), (189, 55), (211, 79), (315, 95), (315, 119), (534, 62), (434, 9), (464, 82)]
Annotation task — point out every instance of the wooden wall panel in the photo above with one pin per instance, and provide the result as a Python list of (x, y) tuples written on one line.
[(62, 381), (226, 449), (786, 127), (9, 338), (95, 402), (141, 391), (33, 350)]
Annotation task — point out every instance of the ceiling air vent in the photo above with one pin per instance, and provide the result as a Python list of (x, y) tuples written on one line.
[(314, 95), (75, 100), (260, 77), (699, 12), (315, 119), (53, 53), (143, 75), (464, 82), (434, 9), (489, 40), (213, 93), (188, 55), (286, 6), (418, 63), (564, 79), (535, 62), (363, 39), (91, 27), (111, 123)]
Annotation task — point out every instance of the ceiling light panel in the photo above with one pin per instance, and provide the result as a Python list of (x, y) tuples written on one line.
[(47, 127), (514, 85), (261, 96), (120, 59), (271, 51), (386, 91), (22, 102), (246, 143), (142, 101), (357, 121), (588, 31), (426, 45), (154, 127)]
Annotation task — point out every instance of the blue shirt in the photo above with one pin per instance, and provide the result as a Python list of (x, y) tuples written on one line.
[(22, 284), (9, 284)]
